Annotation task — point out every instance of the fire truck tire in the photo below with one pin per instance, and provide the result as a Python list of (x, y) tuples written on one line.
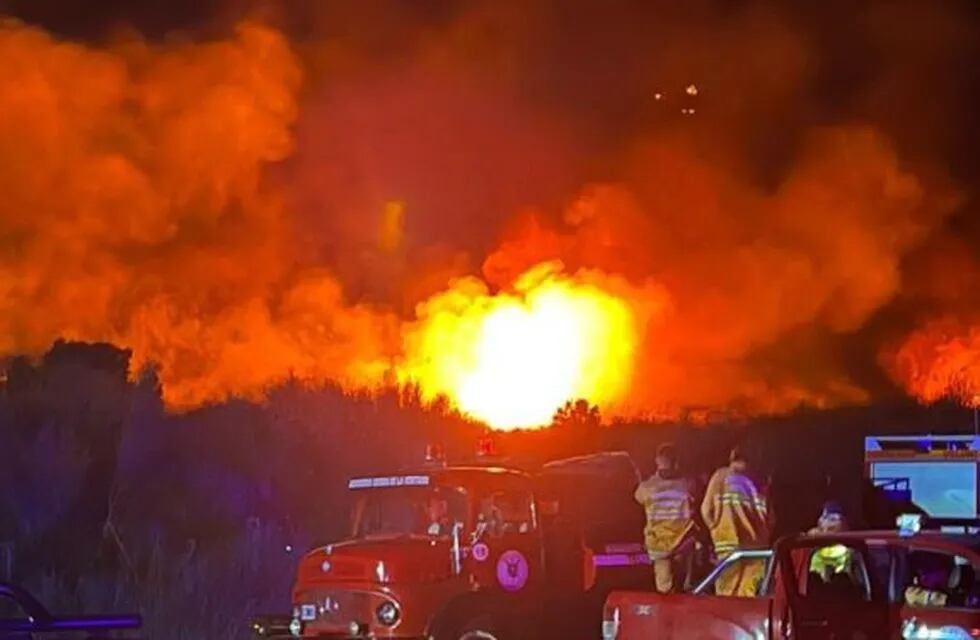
[(481, 628), (478, 627)]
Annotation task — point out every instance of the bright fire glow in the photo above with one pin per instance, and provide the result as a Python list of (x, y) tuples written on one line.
[(512, 359)]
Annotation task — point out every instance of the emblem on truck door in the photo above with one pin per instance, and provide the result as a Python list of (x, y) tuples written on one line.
[(512, 570), (481, 552)]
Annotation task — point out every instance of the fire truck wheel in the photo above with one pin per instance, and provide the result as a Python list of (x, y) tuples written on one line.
[(479, 628)]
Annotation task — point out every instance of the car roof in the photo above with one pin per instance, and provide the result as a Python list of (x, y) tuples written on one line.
[(892, 536)]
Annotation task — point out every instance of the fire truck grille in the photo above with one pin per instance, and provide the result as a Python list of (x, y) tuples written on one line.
[(336, 609)]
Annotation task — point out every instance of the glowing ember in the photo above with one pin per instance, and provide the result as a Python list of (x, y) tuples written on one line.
[(512, 359)]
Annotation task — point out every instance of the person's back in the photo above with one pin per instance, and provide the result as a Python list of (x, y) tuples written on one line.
[(735, 510), (668, 499), (737, 513), (669, 507)]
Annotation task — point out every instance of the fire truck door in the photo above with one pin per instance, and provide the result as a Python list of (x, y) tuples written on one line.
[(828, 590), (507, 551)]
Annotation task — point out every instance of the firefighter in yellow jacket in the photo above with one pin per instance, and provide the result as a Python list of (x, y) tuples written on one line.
[(836, 558), (669, 501), (736, 511)]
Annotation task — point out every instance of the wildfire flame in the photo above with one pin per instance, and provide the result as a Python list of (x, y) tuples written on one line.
[(511, 360), (240, 212), (940, 360)]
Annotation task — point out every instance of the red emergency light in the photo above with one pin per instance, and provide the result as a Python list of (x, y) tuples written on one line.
[(485, 447)]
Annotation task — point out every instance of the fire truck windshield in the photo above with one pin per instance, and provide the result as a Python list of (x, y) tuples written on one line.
[(431, 511)]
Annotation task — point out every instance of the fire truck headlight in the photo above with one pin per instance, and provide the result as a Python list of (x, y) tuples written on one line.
[(610, 623), (914, 630), (295, 627), (387, 613)]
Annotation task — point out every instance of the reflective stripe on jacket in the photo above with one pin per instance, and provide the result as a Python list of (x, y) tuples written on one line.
[(916, 596), (736, 512), (669, 505), (836, 557)]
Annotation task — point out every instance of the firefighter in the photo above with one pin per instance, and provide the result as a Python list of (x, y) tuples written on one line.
[(836, 558), (831, 519), (669, 501), (930, 586), (737, 513), (437, 516)]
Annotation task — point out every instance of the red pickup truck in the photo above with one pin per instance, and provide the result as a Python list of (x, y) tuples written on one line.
[(799, 599)]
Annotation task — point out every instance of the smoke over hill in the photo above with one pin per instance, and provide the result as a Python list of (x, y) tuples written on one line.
[(740, 206)]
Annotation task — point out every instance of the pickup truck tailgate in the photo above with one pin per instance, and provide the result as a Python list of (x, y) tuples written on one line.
[(645, 615)]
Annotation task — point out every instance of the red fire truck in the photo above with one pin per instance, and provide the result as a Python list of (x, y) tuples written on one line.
[(478, 550)]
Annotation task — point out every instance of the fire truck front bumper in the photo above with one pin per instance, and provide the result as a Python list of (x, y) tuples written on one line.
[(354, 632), (340, 613)]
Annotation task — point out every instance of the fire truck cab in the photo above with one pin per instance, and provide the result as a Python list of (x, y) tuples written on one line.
[(481, 550)]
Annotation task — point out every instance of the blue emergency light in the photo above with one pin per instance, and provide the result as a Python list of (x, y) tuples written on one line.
[(909, 524)]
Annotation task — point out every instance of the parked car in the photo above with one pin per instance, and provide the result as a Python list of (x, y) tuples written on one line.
[(22, 617)]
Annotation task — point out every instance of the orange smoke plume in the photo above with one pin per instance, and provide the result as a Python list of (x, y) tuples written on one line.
[(137, 199), (246, 211)]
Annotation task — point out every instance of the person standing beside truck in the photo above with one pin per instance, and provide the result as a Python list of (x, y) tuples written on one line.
[(669, 501), (831, 519), (836, 558), (738, 515)]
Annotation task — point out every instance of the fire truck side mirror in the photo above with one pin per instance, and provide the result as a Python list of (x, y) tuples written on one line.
[(549, 508), (588, 568)]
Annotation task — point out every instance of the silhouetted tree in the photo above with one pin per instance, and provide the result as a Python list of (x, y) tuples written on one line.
[(577, 414)]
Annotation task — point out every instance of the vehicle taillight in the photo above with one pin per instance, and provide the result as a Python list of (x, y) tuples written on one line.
[(610, 622)]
